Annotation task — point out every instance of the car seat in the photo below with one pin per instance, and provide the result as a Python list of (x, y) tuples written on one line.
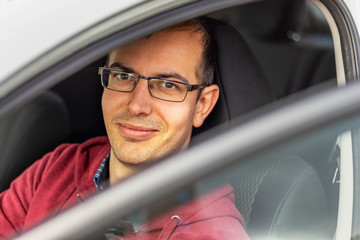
[(294, 36), (29, 132), (238, 75), (277, 197)]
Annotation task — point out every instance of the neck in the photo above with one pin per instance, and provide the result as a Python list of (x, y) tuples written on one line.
[(119, 170)]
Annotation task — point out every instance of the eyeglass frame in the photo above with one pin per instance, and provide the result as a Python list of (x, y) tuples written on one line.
[(189, 87)]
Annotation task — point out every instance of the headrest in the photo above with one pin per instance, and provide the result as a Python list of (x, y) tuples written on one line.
[(238, 75)]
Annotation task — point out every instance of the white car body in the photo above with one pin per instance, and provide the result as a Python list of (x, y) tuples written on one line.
[(37, 34)]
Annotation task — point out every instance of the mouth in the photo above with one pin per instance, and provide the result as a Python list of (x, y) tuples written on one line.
[(138, 133)]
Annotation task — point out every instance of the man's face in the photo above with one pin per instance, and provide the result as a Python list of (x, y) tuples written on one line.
[(142, 129)]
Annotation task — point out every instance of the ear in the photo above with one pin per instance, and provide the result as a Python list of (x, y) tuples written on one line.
[(205, 104)]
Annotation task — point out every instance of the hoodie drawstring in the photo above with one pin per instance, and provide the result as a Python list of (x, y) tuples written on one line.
[(169, 228), (78, 196)]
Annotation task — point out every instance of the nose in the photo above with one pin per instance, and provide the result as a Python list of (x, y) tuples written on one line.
[(140, 100)]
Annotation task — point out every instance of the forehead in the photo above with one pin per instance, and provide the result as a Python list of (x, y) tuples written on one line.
[(164, 51), (166, 41)]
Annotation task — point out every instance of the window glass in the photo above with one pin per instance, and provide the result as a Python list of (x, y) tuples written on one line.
[(290, 191)]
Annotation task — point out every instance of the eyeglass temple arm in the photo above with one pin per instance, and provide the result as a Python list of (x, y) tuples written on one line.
[(195, 87)]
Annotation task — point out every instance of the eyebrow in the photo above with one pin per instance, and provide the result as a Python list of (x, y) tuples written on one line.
[(122, 67), (172, 75), (158, 75)]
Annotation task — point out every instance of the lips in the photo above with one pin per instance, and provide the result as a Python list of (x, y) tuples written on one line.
[(136, 132)]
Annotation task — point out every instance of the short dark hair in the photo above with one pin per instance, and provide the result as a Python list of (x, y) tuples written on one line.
[(206, 67)]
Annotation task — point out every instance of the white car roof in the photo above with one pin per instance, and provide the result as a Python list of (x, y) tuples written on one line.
[(30, 28)]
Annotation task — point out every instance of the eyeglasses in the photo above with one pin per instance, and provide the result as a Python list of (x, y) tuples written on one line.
[(160, 88)]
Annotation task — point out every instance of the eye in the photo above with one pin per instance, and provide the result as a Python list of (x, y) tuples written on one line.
[(123, 76), (169, 85), (165, 86)]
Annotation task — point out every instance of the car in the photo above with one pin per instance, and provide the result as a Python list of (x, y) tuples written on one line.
[(285, 133)]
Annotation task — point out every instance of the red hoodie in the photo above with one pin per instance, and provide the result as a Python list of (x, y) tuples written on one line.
[(52, 184)]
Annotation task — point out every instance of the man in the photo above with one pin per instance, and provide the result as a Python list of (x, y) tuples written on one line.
[(142, 129), (155, 90)]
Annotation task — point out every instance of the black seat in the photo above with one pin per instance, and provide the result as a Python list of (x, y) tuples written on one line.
[(281, 198), (28, 133), (277, 197), (243, 86)]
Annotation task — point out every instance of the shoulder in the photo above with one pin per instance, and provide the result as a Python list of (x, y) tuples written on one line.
[(92, 145), (72, 160), (83, 157), (212, 215), (92, 148)]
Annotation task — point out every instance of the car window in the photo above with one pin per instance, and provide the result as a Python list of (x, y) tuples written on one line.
[(293, 187), (288, 65), (297, 189)]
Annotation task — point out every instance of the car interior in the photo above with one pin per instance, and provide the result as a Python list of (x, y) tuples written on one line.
[(261, 60)]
